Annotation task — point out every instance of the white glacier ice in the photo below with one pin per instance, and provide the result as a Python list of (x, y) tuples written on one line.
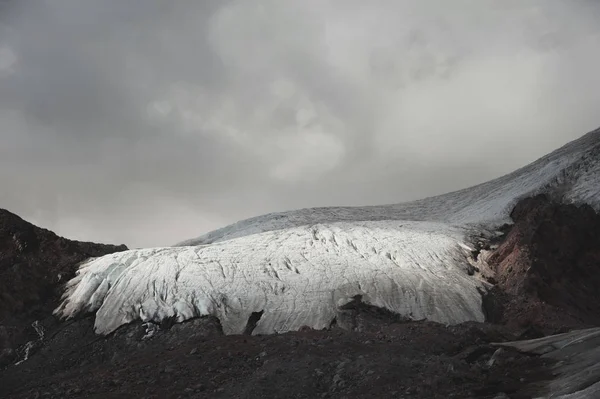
[(298, 268), (297, 276)]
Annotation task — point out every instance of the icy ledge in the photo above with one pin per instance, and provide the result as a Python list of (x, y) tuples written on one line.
[(294, 277), (575, 359)]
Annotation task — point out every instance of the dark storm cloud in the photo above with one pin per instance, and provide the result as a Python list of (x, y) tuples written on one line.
[(147, 122)]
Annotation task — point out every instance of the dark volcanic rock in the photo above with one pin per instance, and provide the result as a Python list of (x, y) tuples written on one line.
[(548, 267), (194, 360), (34, 264)]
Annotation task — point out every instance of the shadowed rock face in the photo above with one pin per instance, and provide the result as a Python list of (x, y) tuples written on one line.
[(34, 262), (548, 267), (34, 265)]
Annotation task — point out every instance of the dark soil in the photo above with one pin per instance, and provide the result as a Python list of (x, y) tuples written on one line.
[(194, 360), (546, 278)]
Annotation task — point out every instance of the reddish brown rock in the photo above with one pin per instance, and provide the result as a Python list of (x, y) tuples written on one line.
[(548, 267)]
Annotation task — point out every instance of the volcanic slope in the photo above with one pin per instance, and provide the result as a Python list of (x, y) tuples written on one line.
[(283, 271)]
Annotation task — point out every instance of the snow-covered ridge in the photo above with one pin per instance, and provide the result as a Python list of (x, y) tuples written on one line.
[(572, 170), (299, 268)]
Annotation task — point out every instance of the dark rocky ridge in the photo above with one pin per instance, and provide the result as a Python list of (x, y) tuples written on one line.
[(548, 267), (546, 274), (34, 265)]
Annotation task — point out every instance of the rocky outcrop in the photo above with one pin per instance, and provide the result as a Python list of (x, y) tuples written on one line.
[(34, 264), (548, 267)]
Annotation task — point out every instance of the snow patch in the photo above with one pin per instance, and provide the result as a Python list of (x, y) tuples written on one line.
[(30, 345)]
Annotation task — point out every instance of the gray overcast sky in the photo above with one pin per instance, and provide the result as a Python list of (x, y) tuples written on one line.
[(147, 122)]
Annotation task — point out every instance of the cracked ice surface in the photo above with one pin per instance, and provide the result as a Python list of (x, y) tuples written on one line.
[(297, 276)]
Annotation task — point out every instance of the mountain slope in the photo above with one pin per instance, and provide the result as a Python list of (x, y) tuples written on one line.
[(375, 354), (283, 271), (571, 172)]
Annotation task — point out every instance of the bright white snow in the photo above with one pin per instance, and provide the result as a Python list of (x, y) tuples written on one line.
[(297, 277), (299, 267)]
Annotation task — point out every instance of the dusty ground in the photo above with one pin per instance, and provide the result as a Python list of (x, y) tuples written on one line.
[(546, 274), (402, 360)]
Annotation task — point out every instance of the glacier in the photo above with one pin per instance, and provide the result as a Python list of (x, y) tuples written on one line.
[(296, 277), (300, 268)]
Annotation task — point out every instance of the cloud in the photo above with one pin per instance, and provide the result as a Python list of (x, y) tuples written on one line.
[(147, 122)]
